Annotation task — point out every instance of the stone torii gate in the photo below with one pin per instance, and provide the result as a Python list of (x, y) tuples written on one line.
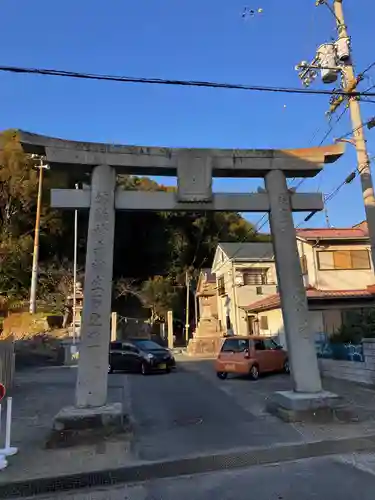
[(194, 169)]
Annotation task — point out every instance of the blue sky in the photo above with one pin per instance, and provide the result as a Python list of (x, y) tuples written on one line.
[(182, 39)]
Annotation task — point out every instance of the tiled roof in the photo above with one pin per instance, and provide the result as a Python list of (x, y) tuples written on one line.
[(362, 225), (248, 251), (326, 233), (273, 301)]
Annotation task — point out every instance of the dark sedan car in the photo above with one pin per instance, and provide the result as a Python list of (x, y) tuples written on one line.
[(139, 355)]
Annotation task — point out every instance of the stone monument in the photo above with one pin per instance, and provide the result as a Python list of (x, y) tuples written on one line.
[(208, 334), (77, 310)]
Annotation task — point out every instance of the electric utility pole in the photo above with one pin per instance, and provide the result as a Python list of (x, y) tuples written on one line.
[(350, 82), (34, 273), (333, 59)]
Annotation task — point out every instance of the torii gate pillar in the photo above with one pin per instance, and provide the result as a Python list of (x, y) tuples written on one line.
[(194, 169), (307, 395), (93, 361), (301, 349)]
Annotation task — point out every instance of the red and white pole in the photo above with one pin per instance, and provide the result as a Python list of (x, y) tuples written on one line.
[(8, 450), (3, 460)]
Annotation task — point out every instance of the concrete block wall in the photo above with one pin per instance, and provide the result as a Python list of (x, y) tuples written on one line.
[(351, 370)]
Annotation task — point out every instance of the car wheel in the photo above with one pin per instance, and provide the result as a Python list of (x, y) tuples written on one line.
[(254, 372), (110, 368), (222, 375), (286, 367), (144, 369), (168, 370)]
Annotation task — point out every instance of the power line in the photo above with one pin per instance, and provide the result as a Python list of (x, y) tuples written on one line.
[(348, 180), (326, 135), (299, 184), (369, 67), (353, 174), (157, 81), (184, 83), (265, 218), (351, 132), (263, 222), (358, 170)]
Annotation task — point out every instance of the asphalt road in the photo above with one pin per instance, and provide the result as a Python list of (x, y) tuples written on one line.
[(313, 479), (191, 412), (185, 413)]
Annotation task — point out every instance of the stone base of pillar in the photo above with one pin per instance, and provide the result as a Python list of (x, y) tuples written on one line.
[(293, 406), (76, 426)]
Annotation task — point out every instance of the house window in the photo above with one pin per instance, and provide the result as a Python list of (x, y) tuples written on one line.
[(235, 345), (259, 290), (263, 322), (256, 276), (343, 260), (221, 285)]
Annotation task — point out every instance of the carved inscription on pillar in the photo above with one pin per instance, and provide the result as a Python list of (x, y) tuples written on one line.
[(299, 298), (95, 331), (101, 201)]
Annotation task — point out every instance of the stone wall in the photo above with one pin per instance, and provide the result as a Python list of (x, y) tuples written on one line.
[(351, 370), (24, 325)]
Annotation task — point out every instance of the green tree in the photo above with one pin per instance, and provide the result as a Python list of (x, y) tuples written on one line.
[(15, 265), (152, 250), (160, 295), (18, 196), (19, 189), (357, 325)]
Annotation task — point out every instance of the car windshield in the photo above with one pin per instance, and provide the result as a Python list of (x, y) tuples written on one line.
[(235, 345), (148, 345)]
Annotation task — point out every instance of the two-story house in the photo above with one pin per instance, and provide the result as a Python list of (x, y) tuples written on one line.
[(245, 272), (338, 274)]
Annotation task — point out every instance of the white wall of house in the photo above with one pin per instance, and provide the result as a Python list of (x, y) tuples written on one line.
[(276, 325), (238, 295), (306, 251), (221, 267), (274, 322), (334, 279), (247, 294)]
